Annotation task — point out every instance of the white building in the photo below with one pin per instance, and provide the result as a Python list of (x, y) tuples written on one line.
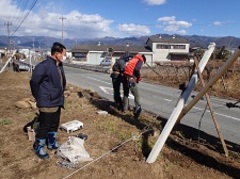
[(156, 49), (94, 54), (172, 48)]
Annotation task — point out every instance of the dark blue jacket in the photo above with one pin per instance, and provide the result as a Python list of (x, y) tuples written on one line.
[(48, 84)]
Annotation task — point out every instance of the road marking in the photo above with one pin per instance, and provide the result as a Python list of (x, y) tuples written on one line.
[(167, 99), (201, 109), (98, 80), (104, 89), (237, 119), (107, 89), (130, 96)]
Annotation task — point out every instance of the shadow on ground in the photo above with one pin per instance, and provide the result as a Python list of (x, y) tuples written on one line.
[(187, 134)]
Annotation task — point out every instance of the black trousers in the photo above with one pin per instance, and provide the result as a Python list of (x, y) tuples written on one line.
[(48, 122), (125, 92), (116, 90)]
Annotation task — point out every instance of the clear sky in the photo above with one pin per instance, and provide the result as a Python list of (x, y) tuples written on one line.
[(120, 18)]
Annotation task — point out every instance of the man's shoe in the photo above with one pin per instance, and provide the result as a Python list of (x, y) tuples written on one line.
[(137, 112), (124, 108), (38, 147), (52, 141)]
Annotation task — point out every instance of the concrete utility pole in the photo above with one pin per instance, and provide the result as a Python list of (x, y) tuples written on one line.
[(179, 107), (62, 18), (8, 24), (33, 43), (31, 56)]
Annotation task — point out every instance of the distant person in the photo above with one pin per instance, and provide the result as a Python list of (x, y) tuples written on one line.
[(47, 85), (15, 65), (133, 76), (117, 79)]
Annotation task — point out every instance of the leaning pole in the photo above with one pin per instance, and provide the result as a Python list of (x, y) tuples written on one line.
[(211, 82), (8, 61), (180, 105)]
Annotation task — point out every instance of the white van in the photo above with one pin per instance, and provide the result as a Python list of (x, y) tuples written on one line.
[(105, 62)]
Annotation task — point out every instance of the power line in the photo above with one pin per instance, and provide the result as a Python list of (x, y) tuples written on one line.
[(17, 12), (21, 7), (24, 18)]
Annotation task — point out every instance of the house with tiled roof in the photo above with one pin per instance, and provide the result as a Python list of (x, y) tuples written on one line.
[(156, 49), (173, 48)]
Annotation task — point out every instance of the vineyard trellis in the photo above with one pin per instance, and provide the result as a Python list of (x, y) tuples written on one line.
[(176, 73)]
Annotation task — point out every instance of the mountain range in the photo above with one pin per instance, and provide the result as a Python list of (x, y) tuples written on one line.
[(45, 42)]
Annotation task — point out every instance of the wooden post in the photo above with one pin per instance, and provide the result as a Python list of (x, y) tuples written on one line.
[(176, 73), (178, 108), (224, 84), (212, 111), (221, 71)]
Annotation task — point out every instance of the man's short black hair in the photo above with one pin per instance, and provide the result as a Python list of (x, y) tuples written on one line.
[(127, 57), (57, 47)]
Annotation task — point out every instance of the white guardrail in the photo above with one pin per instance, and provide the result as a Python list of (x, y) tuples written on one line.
[(32, 64), (98, 68)]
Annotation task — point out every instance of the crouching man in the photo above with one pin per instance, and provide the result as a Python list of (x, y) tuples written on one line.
[(133, 76), (118, 78)]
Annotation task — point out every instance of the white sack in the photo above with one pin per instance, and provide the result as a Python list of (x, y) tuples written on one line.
[(73, 150)]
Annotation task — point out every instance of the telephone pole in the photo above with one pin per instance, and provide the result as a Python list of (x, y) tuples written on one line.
[(8, 24), (62, 18)]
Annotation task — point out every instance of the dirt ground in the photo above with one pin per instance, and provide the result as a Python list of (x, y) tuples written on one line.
[(187, 153)]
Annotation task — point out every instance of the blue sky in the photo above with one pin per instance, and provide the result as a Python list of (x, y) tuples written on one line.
[(121, 18)]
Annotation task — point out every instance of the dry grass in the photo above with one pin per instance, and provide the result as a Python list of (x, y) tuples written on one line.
[(104, 132), (227, 86)]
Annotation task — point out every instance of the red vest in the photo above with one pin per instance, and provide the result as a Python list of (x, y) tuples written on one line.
[(129, 69)]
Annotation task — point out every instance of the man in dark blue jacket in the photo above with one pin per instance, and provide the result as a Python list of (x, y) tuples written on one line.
[(47, 85), (117, 79)]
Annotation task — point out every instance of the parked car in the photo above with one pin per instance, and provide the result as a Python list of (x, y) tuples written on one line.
[(17, 66), (23, 67), (105, 62)]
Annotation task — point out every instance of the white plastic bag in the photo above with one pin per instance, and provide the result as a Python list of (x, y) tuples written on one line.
[(73, 150)]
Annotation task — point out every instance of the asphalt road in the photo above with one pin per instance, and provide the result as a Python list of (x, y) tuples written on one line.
[(161, 100)]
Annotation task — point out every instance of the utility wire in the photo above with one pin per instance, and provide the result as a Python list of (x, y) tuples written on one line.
[(19, 13), (134, 137), (21, 17), (24, 18)]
